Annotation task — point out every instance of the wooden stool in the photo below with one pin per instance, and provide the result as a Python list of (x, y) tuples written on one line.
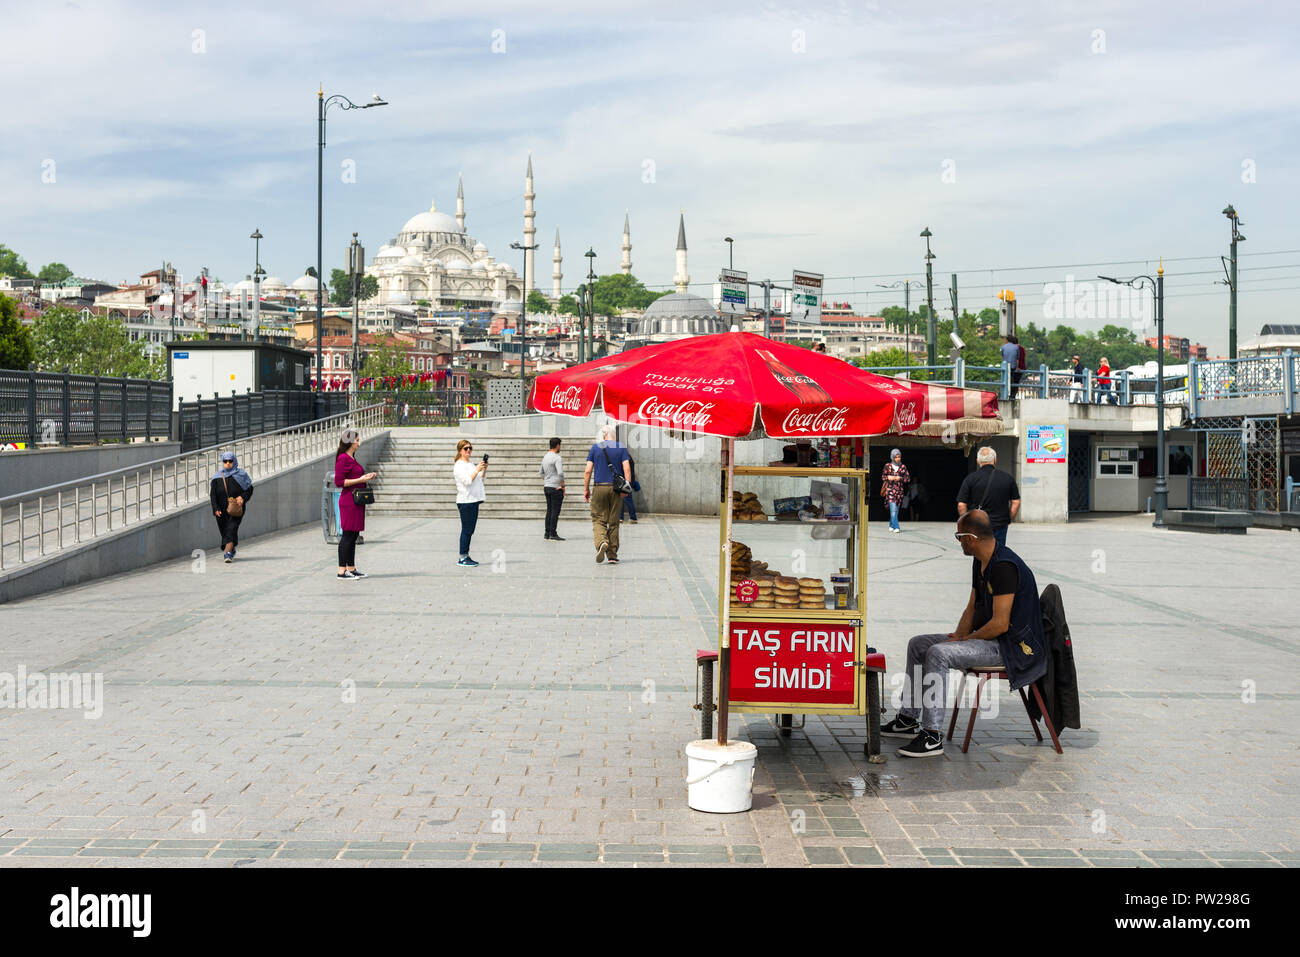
[(986, 672)]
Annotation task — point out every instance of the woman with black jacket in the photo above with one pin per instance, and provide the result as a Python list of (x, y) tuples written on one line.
[(230, 490)]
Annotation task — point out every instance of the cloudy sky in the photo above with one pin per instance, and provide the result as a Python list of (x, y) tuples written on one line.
[(1036, 141)]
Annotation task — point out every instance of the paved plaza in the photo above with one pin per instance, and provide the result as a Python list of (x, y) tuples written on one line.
[(535, 709)]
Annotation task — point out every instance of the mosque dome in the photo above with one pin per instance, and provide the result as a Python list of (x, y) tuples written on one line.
[(432, 222), (676, 315), (304, 284)]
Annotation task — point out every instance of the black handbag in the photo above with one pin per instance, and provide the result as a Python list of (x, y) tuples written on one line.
[(363, 496), (621, 485)]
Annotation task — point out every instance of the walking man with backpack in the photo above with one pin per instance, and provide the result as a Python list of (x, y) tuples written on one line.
[(605, 480)]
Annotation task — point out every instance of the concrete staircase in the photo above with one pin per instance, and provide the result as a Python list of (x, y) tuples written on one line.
[(415, 475)]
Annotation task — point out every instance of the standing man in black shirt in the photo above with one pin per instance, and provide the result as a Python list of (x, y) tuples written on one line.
[(992, 490), (1002, 624)]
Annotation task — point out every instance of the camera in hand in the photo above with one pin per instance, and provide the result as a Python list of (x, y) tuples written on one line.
[(485, 458)]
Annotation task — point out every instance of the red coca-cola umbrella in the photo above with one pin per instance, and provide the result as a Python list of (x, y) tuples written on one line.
[(734, 385)]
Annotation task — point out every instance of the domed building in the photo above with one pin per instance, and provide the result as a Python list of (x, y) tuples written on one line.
[(434, 259), (674, 316)]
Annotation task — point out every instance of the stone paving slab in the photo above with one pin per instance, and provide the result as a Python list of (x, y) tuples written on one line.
[(533, 711)]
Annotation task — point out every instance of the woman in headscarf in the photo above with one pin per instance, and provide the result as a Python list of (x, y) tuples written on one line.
[(229, 491), (895, 481), (350, 477)]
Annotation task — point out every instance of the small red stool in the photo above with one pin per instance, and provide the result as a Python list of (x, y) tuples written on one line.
[(986, 672)]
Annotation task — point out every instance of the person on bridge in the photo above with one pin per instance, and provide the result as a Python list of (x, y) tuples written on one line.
[(350, 477), (1103, 383), (1002, 624), (229, 490)]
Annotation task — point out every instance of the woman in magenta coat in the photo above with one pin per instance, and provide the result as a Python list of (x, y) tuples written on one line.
[(348, 476)]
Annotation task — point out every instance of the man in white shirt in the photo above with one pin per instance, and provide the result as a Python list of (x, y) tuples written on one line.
[(552, 471)]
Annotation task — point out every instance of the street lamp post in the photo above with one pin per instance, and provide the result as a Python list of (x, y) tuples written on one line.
[(582, 324), (523, 322), (256, 237), (322, 107), (1161, 491), (731, 249), (931, 327), (356, 263), (907, 310), (1237, 237), (591, 301)]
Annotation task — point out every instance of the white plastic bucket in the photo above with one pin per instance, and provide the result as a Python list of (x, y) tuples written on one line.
[(720, 779)]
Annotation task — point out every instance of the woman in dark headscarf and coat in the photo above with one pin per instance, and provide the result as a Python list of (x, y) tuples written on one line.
[(230, 486)]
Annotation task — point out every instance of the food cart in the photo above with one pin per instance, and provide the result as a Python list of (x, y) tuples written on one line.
[(795, 584)]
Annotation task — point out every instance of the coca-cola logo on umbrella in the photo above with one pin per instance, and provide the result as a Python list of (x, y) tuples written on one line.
[(570, 398), (817, 421), (688, 414)]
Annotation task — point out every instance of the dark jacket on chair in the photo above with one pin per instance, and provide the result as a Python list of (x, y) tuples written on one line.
[(1060, 686)]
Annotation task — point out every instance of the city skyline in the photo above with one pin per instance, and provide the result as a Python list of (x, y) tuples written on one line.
[(1084, 139)]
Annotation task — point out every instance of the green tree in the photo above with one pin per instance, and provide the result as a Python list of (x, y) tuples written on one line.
[(567, 306), (98, 345), (340, 286), (538, 303), (16, 347), (617, 292), (11, 264), (386, 358), (54, 273), (885, 357)]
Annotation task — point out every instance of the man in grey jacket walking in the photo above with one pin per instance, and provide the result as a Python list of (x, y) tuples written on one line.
[(552, 471)]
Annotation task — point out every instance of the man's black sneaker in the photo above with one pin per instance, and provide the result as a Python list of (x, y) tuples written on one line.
[(556, 538), (927, 744), (901, 727), (358, 574)]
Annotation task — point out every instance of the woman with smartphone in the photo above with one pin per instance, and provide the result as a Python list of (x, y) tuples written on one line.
[(469, 496)]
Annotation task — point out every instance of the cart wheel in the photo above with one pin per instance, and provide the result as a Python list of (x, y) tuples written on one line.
[(706, 701), (786, 723), (872, 747)]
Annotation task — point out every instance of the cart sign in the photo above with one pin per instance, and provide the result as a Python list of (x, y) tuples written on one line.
[(1045, 443), (735, 289), (806, 300), (746, 590), (794, 662)]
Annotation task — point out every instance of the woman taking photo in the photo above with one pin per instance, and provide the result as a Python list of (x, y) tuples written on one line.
[(230, 489), (350, 477), (469, 496)]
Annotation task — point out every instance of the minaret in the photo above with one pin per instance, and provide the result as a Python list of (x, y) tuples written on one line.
[(627, 248), (460, 202), (556, 275), (530, 228), (681, 279)]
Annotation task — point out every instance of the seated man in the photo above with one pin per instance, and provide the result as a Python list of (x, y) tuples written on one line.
[(1001, 625)]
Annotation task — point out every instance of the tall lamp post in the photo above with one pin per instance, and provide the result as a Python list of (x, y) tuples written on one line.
[(523, 322), (1231, 266), (591, 301), (731, 249), (356, 263), (931, 327), (907, 285), (323, 104), (1158, 292), (256, 237), (582, 324)]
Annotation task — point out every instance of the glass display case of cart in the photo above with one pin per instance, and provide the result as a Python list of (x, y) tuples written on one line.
[(798, 536)]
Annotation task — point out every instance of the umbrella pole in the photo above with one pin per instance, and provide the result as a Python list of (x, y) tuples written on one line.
[(724, 655)]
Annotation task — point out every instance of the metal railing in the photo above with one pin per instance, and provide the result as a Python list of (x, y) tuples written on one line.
[(206, 422), (427, 406), (1221, 493), (55, 408), (40, 522), (1254, 377), (1044, 383)]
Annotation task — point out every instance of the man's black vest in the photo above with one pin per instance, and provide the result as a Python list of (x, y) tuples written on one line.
[(1024, 644)]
